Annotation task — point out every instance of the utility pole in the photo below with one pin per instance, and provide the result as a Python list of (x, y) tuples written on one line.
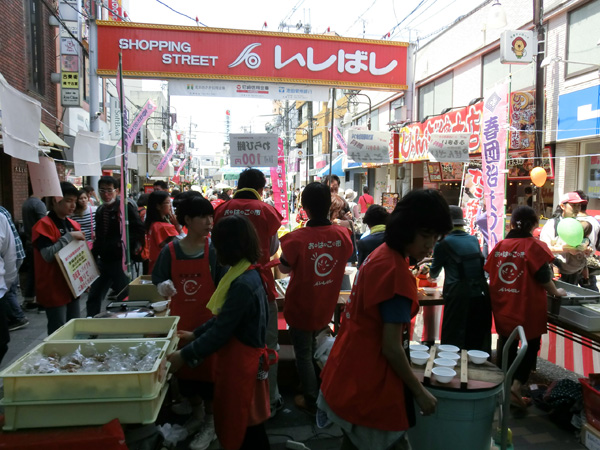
[(538, 6), (93, 55), (331, 133), (309, 144)]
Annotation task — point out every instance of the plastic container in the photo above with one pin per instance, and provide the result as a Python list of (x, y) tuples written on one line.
[(69, 413), (448, 348), (419, 358), (418, 348), (443, 374), (576, 295), (444, 362), (449, 355), (462, 420), (79, 386), (132, 328), (591, 403), (477, 356)]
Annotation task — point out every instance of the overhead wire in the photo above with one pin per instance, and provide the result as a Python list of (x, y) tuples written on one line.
[(360, 17), (292, 11), (180, 13)]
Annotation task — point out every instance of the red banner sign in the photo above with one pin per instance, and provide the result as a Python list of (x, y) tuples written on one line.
[(161, 51), (414, 139)]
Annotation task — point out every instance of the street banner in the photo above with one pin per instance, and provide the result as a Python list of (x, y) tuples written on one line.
[(339, 138), (253, 150), (138, 122), (86, 153), (278, 177), (165, 160), (495, 112), (44, 178), (166, 51), (366, 146)]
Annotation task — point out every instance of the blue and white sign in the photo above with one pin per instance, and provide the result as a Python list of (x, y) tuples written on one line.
[(579, 114)]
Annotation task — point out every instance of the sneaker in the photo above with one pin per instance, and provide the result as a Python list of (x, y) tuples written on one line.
[(276, 407), (192, 425), (322, 419), (29, 306), (206, 435), (183, 408), (18, 325)]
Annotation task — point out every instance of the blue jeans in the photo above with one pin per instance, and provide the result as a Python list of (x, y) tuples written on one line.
[(272, 339), (11, 306), (59, 315), (304, 343), (111, 275)]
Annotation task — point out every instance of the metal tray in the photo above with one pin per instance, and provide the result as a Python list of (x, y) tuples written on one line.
[(576, 295), (581, 316)]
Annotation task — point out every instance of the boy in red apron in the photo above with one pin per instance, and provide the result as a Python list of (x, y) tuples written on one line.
[(49, 235), (187, 272), (368, 385), (316, 256), (237, 334)]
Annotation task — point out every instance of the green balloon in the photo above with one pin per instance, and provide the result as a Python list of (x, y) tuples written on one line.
[(571, 231)]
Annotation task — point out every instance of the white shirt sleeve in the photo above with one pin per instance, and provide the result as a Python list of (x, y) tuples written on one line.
[(8, 256)]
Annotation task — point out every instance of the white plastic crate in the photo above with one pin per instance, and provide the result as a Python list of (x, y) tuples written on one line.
[(78, 386), (67, 413), (132, 328)]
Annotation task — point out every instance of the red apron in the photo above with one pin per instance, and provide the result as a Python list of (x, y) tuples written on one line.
[(195, 286), (241, 399)]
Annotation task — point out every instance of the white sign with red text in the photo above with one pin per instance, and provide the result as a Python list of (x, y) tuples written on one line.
[(253, 150)]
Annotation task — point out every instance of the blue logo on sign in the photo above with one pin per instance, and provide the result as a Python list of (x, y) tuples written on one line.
[(579, 114)]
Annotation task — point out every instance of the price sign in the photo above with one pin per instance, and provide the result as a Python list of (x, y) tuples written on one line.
[(449, 147), (253, 150)]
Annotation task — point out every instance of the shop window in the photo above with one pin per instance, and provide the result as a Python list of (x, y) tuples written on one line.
[(35, 42), (582, 38), (436, 96), (494, 72)]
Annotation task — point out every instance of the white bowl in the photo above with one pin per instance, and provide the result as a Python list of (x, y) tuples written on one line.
[(449, 355), (477, 356), (160, 306), (418, 348), (443, 374), (443, 362), (448, 348), (419, 358)]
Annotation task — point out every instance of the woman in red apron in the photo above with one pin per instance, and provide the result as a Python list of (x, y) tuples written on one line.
[(237, 335), (368, 385), (187, 272), (159, 229)]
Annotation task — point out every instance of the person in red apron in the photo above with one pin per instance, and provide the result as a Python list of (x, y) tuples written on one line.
[(367, 382), (49, 235), (159, 230), (316, 258), (247, 201), (237, 334), (520, 276), (187, 272)]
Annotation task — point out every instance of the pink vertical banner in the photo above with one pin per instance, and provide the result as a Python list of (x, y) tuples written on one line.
[(495, 115), (278, 180)]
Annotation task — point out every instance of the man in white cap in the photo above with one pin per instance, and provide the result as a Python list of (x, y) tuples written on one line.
[(570, 260), (467, 319)]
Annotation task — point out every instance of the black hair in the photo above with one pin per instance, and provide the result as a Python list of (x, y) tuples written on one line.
[(112, 181), (327, 179), (235, 238), (524, 218), (191, 204), (583, 196), (376, 215), (316, 199), (419, 210), (162, 184), (528, 190), (152, 213), (80, 192), (143, 200), (175, 193), (253, 179), (587, 228), (68, 189), (365, 189), (89, 189)]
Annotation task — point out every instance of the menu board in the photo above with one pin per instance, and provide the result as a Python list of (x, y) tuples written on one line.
[(452, 171), (78, 266), (434, 170), (389, 201)]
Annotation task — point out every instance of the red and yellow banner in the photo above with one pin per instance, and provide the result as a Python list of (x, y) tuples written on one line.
[(162, 51)]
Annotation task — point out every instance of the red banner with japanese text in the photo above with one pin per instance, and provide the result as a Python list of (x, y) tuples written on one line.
[(278, 181), (414, 139), (161, 51)]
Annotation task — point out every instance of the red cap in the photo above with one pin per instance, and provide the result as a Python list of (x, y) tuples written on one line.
[(571, 197)]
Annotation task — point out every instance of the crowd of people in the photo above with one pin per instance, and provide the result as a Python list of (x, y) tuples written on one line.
[(213, 256)]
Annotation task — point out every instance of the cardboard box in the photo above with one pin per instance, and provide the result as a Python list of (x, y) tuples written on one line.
[(142, 289), (590, 437)]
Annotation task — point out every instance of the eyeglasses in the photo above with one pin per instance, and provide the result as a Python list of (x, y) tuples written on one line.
[(107, 191)]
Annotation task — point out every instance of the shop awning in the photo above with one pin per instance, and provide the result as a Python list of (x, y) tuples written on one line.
[(336, 169), (49, 139)]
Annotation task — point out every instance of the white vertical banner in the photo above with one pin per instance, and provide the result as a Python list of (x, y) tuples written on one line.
[(86, 154)]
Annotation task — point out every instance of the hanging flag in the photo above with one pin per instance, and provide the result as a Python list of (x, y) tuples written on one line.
[(278, 180)]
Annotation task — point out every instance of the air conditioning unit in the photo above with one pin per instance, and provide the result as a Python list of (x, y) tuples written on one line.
[(139, 138)]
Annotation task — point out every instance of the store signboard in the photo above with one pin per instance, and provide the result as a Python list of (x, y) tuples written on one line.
[(70, 97), (517, 46), (253, 150), (579, 114), (248, 89), (366, 146), (161, 51)]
